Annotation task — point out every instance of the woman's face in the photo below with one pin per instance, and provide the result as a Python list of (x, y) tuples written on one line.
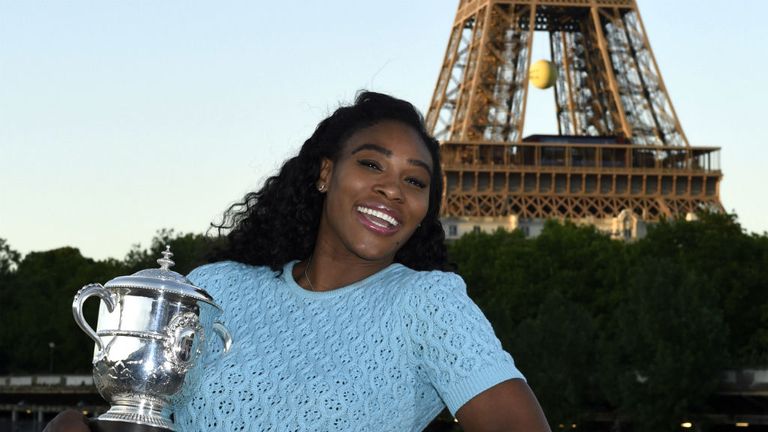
[(377, 192)]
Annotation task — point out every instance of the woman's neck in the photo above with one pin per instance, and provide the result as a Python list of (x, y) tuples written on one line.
[(326, 272)]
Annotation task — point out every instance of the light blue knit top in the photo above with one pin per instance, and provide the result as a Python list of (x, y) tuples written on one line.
[(387, 353)]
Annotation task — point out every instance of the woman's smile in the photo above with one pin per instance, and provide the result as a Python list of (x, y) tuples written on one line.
[(380, 219)]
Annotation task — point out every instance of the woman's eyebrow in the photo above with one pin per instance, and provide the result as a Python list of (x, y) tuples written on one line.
[(374, 147), (421, 163), (388, 153)]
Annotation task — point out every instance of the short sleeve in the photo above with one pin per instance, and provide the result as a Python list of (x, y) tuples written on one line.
[(453, 344)]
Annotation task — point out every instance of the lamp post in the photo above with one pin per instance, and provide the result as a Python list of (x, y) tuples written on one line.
[(52, 346)]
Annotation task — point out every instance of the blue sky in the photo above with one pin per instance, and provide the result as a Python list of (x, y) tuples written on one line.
[(118, 118)]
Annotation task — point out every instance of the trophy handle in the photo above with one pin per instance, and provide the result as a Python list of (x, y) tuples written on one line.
[(109, 299), (224, 334)]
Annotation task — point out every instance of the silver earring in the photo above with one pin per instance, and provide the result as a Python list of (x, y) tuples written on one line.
[(321, 187)]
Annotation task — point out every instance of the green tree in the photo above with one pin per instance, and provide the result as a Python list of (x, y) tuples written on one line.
[(735, 263), (557, 351), (9, 261), (584, 264), (665, 353), (39, 310), (509, 276), (488, 261)]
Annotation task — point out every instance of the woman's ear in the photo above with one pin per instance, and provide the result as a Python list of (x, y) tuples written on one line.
[(326, 172)]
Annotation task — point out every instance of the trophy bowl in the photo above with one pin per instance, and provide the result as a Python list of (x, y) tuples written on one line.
[(150, 339)]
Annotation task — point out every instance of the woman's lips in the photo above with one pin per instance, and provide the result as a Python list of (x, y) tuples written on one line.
[(380, 213), (377, 221)]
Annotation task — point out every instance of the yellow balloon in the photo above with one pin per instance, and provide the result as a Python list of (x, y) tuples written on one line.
[(542, 74)]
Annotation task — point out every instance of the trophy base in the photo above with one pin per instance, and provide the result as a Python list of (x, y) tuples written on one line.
[(133, 414), (97, 425)]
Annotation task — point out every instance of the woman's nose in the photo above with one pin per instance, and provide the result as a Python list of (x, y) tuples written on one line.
[(390, 188)]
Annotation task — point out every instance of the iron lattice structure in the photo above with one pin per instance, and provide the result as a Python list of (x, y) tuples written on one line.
[(620, 144)]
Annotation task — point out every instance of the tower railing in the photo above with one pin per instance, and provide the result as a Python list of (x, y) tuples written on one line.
[(579, 157)]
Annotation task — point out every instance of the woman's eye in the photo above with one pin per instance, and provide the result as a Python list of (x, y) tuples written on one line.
[(369, 164), (416, 182)]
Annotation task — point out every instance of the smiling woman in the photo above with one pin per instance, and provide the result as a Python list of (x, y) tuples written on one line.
[(343, 317), (378, 194)]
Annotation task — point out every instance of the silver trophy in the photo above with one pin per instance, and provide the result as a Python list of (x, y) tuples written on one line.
[(149, 339)]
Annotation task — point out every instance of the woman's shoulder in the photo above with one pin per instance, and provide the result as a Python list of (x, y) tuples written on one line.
[(425, 281), (417, 289), (217, 276)]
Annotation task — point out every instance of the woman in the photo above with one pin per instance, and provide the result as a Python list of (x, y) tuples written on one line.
[(334, 290)]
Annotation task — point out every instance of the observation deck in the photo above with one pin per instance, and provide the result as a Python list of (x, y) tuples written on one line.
[(579, 177)]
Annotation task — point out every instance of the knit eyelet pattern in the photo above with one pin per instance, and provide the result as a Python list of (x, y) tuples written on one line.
[(387, 353)]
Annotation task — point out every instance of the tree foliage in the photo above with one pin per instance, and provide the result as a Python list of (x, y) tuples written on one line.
[(555, 351), (665, 353)]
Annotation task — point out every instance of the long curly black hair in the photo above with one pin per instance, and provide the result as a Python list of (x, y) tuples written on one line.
[(279, 223)]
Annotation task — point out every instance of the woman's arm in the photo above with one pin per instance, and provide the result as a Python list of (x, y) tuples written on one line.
[(68, 421), (508, 406)]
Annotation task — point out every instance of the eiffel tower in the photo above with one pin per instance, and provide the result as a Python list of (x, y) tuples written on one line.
[(620, 158)]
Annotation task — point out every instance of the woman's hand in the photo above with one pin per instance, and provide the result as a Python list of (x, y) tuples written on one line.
[(68, 421), (508, 406)]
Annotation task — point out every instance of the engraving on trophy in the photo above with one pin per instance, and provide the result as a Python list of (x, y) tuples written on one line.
[(180, 340)]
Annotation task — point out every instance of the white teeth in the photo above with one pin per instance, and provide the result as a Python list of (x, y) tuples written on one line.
[(381, 215)]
